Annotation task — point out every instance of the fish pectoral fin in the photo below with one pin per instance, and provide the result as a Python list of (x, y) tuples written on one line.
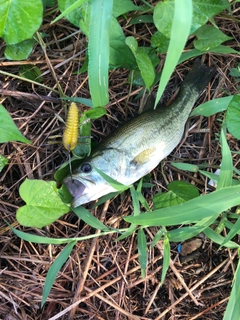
[(143, 156)]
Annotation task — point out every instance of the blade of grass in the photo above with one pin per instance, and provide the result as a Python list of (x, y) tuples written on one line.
[(185, 166), (233, 231), (181, 25), (191, 211), (233, 307), (39, 239), (142, 251), (136, 212), (72, 7), (186, 233), (166, 258), (157, 237), (98, 50), (54, 269), (225, 175), (135, 202), (86, 102), (115, 184), (217, 238), (88, 218), (141, 198)]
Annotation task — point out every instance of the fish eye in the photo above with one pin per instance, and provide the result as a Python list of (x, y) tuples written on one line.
[(86, 168)]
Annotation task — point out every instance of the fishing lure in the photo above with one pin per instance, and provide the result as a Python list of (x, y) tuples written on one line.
[(70, 135)]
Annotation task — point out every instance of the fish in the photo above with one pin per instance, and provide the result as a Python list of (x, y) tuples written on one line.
[(136, 147)]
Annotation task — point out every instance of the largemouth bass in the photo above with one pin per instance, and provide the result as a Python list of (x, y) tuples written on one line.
[(137, 146)]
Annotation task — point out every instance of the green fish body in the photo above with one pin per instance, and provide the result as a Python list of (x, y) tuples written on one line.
[(137, 146)]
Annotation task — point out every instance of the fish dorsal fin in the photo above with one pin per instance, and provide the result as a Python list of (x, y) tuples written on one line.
[(143, 156)]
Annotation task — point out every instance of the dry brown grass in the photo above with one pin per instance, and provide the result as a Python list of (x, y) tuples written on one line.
[(102, 278)]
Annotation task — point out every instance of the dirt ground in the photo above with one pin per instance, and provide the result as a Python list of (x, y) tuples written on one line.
[(102, 277)]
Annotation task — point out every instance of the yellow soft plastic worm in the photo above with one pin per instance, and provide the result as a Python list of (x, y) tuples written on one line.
[(70, 135)]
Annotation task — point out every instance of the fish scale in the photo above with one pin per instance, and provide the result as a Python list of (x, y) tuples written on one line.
[(136, 147)]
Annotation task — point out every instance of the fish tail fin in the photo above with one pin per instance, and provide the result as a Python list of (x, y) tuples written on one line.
[(199, 76)]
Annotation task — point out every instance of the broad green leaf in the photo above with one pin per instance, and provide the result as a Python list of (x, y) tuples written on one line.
[(226, 170), (192, 210), (19, 51), (185, 166), (143, 61), (132, 43), (95, 113), (166, 258), (84, 22), (8, 129), (209, 108), (43, 204), (152, 56), (123, 6), (88, 218), (202, 11), (233, 308), (179, 192), (183, 189), (19, 19), (70, 9), (233, 117), (120, 54), (3, 162), (136, 79), (164, 200), (235, 72), (30, 72), (142, 19), (160, 42), (182, 16), (54, 269), (146, 67), (64, 170), (98, 50), (64, 194), (224, 50), (185, 56), (209, 38), (49, 3), (142, 251), (163, 16)]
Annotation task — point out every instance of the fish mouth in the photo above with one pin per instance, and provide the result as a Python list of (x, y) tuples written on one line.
[(75, 187)]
